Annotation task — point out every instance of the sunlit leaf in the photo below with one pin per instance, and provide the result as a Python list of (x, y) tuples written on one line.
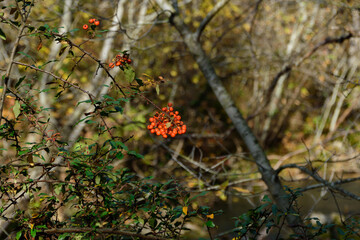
[(185, 210), (2, 35), (16, 109)]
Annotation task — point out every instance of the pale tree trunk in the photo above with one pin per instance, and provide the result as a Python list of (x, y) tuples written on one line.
[(72, 132), (191, 40), (330, 101), (354, 62), (44, 100), (97, 86), (291, 47)]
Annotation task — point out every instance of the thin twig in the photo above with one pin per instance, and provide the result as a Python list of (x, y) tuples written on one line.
[(316, 177), (219, 5), (100, 230)]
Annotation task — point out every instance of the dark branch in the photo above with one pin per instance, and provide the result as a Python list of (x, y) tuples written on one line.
[(100, 230), (316, 177), (209, 17)]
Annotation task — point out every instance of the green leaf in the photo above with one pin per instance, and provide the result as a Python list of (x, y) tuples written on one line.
[(123, 146), (19, 82), (27, 55), (16, 109), (210, 224), (63, 236), (33, 232), (135, 154), (119, 155), (97, 179), (18, 235), (2, 35), (198, 195), (129, 74), (157, 88), (139, 81), (119, 109)]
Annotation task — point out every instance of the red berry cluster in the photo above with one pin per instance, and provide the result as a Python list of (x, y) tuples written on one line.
[(167, 122), (120, 60), (92, 21)]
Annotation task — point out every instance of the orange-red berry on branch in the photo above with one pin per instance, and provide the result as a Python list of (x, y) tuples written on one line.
[(85, 26), (166, 123), (97, 23), (111, 65), (92, 20)]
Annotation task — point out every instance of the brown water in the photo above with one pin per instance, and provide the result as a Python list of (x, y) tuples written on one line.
[(317, 202)]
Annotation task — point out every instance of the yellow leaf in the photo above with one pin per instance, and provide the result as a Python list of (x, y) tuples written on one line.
[(185, 209), (247, 27), (242, 190), (211, 216)]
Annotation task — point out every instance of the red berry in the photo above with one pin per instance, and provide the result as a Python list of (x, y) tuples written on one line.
[(170, 104), (85, 26), (92, 20), (97, 23), (111, 65)]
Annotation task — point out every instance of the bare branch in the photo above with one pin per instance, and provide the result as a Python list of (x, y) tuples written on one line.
[(289, 67), (100, 230), (56, 77), (219, 5), (316, 177), (342, 181)]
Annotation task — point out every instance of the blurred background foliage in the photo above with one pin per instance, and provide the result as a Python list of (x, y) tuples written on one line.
[(312, 115)]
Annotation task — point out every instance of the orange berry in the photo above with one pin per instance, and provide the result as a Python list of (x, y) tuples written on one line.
[(176, 112), (128, 61), (97, 23), (171, 109), (92, 20), (111, 65), (170, 104), (152, 130), (164, 136), (151, 119), (173, 135), (85, 26), (164, 109), (118, 63)]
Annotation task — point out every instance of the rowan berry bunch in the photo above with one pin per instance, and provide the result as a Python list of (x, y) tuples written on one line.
[(93, 23), (120, 60), (167, 122)]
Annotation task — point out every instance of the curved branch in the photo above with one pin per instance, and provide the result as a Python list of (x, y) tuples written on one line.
[(219, 5), (316, 177), (343, 181)]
